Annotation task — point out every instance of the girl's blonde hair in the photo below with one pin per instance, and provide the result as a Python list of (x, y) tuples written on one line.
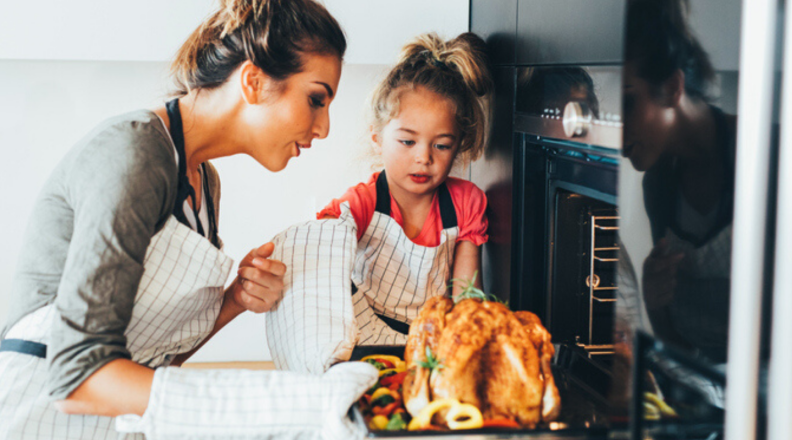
[(272, 34), (457, 70)]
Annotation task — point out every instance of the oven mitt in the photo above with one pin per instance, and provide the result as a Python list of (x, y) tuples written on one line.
[(246, 404), (313, 326), (373, 330)]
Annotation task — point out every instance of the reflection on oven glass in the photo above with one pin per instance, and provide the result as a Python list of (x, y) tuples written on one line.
[(546, 91), (680, 151)]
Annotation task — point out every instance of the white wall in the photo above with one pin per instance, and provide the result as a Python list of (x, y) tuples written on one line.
[(63, 76), (152, 30)]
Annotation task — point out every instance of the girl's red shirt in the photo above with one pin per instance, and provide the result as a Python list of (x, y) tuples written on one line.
[(470, 205)]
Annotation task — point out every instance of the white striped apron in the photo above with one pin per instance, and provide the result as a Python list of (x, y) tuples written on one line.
[(393, 277), (176, 306)]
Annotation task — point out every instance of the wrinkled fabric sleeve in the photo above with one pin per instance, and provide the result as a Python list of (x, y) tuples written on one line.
[(121, 187), (470, 203)]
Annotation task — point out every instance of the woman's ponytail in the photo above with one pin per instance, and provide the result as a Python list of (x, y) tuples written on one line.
[(272, 34)]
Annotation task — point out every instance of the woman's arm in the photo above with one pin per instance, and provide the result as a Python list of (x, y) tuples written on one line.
[(120, 387), (467, 261)]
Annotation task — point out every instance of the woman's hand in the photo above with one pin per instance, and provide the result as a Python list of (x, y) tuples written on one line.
[(259, 283), (660, 275)]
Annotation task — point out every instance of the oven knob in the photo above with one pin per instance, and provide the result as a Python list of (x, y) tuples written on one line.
[(577, 119)]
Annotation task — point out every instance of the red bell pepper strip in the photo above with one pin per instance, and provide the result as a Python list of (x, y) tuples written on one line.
[(396, 378), (386, 410), (499, 423)]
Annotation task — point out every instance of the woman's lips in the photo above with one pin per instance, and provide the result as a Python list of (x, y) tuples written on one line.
[(300, 147), (419, 178)]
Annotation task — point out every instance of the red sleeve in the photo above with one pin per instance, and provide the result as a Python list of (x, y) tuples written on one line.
[(362, 199), (470, 204)]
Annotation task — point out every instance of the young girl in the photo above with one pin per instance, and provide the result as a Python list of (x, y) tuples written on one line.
[(418, 228)]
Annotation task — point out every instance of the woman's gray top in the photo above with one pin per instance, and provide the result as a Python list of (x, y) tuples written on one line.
[(87, 237)]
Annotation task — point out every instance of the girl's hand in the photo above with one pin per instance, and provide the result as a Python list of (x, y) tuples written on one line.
[(259, 283)]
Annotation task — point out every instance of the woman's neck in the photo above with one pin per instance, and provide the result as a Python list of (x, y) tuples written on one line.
[(205, 122), (697, 134)]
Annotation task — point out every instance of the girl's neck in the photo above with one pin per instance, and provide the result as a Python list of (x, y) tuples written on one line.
[(414, 209)]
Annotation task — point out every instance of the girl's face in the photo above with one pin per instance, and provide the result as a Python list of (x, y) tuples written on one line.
[(282, 118), (419, 144), (648, 121)]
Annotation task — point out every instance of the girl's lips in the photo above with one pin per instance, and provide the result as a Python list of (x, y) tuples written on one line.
[(419, 178)]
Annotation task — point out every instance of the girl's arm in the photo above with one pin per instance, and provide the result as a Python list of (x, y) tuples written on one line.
[(467, 261)]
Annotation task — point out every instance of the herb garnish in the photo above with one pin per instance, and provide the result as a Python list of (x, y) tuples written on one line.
[(470, 291)]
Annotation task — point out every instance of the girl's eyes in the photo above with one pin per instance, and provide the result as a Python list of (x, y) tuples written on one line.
[(317, 101), (410, 143)]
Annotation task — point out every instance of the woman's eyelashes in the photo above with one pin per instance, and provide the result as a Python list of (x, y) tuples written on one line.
[(317, 101)]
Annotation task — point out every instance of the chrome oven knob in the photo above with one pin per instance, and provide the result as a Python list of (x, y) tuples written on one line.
[(577, 119)]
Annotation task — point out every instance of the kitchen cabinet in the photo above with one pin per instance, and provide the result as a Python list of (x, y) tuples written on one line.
[(152, 30), (569, 32), (496, 22)]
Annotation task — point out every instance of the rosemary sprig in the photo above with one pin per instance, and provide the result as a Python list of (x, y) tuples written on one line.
[(432, 362), (470, 291)]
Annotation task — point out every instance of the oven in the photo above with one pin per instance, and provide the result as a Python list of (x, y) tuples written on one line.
[(594, 186)]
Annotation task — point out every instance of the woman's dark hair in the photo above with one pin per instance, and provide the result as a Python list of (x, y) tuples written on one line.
[(272, 34), (659, 43)]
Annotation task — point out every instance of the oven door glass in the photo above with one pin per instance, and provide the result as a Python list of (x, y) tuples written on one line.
[(676, 202)]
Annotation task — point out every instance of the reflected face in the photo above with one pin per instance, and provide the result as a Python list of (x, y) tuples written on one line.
[(419, 145), (293, 114), (647, 121)]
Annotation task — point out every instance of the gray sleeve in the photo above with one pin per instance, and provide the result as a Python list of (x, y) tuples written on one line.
[(121, 186)]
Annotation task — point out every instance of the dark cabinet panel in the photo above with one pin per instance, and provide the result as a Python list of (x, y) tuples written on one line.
[(496, 22), (493, 174), (569, 31)]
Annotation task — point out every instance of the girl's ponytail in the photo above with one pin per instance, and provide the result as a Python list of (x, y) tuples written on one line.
[(456, 69)]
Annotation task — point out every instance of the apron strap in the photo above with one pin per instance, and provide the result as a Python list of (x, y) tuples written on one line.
[(395, 324), (447, 212), (383, 195), (184, 189), (399, 326), (25, 347)]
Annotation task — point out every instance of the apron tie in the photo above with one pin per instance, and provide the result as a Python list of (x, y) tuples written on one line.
[(25, 347)]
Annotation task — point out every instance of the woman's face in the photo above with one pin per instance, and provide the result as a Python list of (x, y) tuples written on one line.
[(286, 116), (419, 144), (647, 121)]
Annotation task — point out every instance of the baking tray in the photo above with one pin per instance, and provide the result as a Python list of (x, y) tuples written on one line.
[(582, 416)]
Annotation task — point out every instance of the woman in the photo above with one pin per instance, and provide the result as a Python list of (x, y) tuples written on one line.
[(686, 145), (122, 270)]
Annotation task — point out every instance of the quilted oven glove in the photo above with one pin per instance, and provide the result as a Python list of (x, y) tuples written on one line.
[(243, 404)]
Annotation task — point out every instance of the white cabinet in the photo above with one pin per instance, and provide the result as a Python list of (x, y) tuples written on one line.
[(152, 30)]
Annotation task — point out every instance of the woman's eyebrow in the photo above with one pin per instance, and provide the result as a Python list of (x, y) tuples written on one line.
[(329, 90)]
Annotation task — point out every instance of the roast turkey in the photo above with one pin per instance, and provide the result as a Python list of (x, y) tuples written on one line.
[(491, 357)]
